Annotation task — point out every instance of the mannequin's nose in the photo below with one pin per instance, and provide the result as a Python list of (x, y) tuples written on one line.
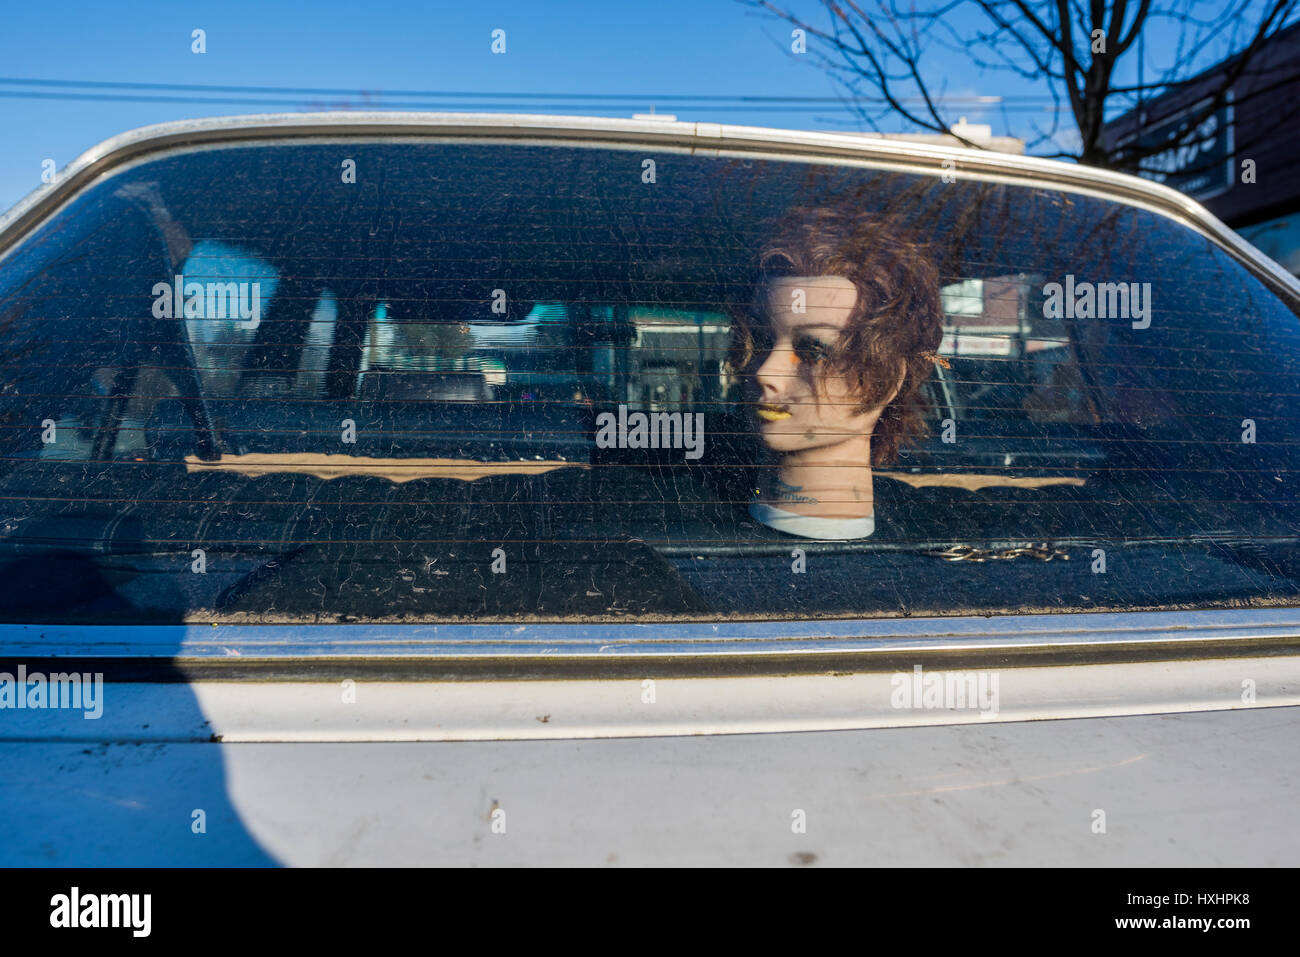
[(773, 372)]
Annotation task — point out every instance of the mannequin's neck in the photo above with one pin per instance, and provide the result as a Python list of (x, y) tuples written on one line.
[(832, 481)]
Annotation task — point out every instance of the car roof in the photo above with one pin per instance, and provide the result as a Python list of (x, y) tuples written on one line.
[(695, 137)]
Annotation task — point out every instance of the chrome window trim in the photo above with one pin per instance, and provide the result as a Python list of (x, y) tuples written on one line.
[(702, 138), (590, 649)]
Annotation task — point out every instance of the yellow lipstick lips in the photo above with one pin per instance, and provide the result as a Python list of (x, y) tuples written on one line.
[(772, 413)]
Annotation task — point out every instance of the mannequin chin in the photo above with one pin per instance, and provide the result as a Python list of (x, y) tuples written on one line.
[(819, 483)]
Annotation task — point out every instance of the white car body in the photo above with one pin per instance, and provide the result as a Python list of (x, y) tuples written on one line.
[(769, 743)]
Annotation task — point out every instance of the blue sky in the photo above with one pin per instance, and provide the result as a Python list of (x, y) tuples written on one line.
[(648, 50)]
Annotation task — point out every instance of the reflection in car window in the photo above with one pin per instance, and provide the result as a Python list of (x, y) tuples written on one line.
[(516, 382), (218, 331)]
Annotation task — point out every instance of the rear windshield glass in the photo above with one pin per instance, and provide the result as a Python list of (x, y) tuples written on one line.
[(446, 381)]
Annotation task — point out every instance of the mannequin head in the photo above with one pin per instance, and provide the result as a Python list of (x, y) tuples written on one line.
[(841, 334)]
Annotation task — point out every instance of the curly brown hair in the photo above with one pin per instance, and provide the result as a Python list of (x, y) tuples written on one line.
[(895, 327)]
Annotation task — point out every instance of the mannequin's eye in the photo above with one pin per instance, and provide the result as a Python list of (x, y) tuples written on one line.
[(811, 350)]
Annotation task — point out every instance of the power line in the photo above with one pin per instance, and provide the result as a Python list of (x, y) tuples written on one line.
[(975, 100), (495, 104)]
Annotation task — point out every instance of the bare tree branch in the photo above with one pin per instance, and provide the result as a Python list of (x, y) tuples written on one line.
[(1074, 47)]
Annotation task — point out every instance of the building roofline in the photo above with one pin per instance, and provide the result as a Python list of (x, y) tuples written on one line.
[(1184, 88)]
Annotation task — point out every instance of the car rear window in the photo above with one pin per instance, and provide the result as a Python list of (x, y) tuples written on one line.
[(368, 381)]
